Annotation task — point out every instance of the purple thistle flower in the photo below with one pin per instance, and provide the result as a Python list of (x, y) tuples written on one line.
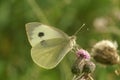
[(83, 53)]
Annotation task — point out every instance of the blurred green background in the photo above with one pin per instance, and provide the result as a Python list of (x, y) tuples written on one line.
[(102, 19)]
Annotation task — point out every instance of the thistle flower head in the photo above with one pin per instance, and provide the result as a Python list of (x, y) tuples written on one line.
[(83, 53), (105, 52)]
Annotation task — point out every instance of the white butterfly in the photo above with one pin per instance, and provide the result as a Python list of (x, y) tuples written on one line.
[(49, 44)]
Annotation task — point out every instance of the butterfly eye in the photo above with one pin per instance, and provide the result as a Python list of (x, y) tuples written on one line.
[(40, 34)]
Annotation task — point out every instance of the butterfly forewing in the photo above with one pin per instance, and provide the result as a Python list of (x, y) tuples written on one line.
[(37, 32)]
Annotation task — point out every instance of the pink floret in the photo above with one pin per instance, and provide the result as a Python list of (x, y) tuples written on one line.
[(83, 53)]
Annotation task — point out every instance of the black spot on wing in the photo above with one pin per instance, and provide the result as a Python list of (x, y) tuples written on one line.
[(43, 43), (41, 34)]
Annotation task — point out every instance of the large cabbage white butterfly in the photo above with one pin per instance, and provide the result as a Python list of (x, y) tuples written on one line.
[(49, 44)]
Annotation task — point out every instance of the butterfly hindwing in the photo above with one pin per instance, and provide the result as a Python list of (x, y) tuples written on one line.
[(50, 52)]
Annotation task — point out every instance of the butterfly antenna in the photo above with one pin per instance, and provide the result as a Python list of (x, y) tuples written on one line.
[(79, 29)]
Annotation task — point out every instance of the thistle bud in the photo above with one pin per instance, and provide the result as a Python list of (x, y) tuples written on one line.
[(89, 67), (82, 55), (77, 66), (105, 52), (83, 70)]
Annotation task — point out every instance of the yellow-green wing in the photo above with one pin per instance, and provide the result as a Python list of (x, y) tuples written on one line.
[(37, 32), (48, 53)]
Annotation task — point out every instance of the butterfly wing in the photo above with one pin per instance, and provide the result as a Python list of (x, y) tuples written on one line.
[(37, 32), (49, 45), (50, 52)]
